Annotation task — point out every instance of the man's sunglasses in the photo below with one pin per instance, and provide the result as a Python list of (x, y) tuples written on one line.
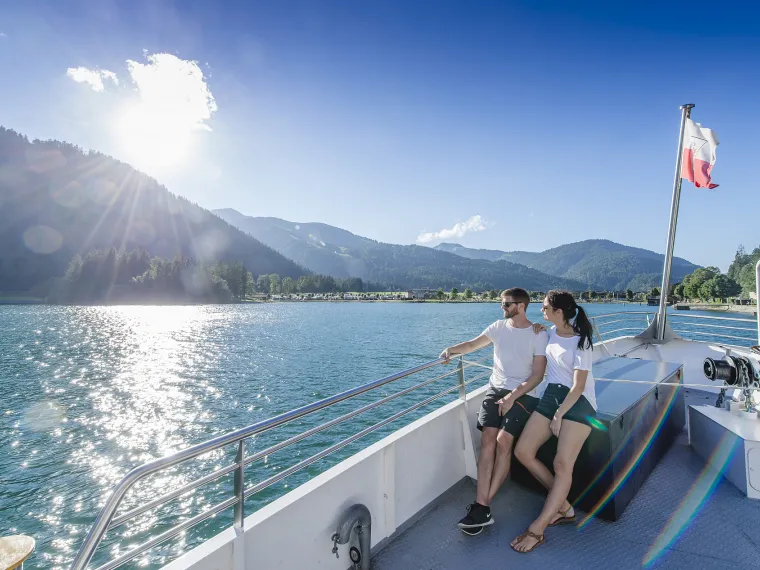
[(508, 304)]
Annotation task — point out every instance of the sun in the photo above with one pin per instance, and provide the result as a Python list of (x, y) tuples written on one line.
[(170, 108), (154, 136)]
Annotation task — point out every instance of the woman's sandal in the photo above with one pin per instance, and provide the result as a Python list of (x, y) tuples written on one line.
[(564, 519), (528, 533)]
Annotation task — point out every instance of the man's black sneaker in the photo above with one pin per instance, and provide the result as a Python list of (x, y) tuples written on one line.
[(472, 531), (478, 516)]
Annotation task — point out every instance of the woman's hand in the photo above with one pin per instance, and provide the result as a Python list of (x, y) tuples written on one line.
[(556, 424), (446, 355), (538, 327)]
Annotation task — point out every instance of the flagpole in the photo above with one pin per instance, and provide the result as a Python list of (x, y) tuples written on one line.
[(685, 113)]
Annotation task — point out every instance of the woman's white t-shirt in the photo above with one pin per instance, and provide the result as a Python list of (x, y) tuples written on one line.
[(563, 357)]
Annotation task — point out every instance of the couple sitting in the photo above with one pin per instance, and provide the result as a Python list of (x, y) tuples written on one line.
[(518, 404)]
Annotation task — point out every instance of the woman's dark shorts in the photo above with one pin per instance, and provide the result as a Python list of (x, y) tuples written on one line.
[(514, 420), (582, 411)]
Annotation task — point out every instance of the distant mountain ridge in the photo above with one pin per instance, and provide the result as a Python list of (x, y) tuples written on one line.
[(57, 201), (333, 251), (603, 263)]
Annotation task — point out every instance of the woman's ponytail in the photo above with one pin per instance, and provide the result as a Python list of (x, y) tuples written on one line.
[(582, 326)]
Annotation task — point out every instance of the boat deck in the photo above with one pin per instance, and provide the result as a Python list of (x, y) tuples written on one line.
[(684, 517)]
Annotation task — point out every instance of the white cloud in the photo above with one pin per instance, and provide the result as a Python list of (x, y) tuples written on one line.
[(474, 224), (105, 74), (173, 90), (93, 77)]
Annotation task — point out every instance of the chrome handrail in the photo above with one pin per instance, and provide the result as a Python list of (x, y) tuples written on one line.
[(683, 320), (622, 313), (722, 335), (106, 521), (709, 317), (268, 451)]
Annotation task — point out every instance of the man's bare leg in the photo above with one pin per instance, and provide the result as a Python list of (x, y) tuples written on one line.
[(504, 443), (486, 461)]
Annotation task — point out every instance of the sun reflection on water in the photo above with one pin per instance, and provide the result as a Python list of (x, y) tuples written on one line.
[(130, 386)]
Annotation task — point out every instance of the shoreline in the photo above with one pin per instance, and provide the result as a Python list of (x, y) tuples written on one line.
[(721, 308), (718, 308)]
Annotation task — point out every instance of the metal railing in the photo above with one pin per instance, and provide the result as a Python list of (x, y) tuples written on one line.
[(704, 328), (107, 519), (633, 323), (628, 323)]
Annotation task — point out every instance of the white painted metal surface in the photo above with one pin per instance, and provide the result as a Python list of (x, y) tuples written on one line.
[(728, 441)]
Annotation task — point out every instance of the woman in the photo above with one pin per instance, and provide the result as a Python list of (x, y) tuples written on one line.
[(566, 409)]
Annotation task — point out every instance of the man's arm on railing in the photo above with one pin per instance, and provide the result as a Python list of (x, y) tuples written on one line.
[(465, 347)]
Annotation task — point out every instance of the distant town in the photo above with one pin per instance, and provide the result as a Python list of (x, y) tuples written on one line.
[(454, 295)]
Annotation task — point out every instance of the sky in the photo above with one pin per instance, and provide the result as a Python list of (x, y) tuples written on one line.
[(501, 125)]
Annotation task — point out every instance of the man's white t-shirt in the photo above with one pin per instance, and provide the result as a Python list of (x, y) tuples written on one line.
[(513, 352), (563, 357)]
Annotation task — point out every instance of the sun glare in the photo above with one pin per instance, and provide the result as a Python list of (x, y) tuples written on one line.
[(153, 136), (173, 106)]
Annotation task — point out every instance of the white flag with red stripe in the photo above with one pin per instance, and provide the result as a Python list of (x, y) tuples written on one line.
[(698, 159)]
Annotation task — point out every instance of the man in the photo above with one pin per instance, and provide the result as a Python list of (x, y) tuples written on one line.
[(519, 362)]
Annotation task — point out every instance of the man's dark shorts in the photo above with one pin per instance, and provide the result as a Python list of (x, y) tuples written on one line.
[(514, 420)]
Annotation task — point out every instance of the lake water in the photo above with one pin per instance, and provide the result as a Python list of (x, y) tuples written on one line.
[(87, 393)]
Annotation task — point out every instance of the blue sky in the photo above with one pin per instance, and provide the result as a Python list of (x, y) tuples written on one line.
[(393, 119)]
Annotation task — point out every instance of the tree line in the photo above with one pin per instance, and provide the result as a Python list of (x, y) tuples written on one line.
[(108, 276), (709, 284), (103, 276), (742, 269)]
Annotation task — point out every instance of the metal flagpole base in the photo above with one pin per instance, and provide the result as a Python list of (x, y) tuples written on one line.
[(650, 334)]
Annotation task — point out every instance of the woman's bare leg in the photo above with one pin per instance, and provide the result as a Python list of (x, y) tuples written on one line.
[(571, 439)]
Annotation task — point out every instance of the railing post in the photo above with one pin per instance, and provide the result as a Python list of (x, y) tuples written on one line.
[(239, 514), (460, 379), (470, 462), (239, 485)]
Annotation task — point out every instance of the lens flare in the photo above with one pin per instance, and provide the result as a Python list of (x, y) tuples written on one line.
[(632, 463), (596, 424), (695, 499)]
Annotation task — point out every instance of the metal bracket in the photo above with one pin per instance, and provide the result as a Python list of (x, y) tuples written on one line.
[(650, 334)]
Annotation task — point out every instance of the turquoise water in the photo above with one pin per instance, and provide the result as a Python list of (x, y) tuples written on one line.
[(90, 392)]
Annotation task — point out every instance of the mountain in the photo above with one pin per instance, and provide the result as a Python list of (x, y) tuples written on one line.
[(488, 254), (333, 251), (57, 200), (603, 263)]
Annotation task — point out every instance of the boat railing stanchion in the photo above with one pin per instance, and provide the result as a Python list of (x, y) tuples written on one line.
[(239, 512), (460, 380)]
